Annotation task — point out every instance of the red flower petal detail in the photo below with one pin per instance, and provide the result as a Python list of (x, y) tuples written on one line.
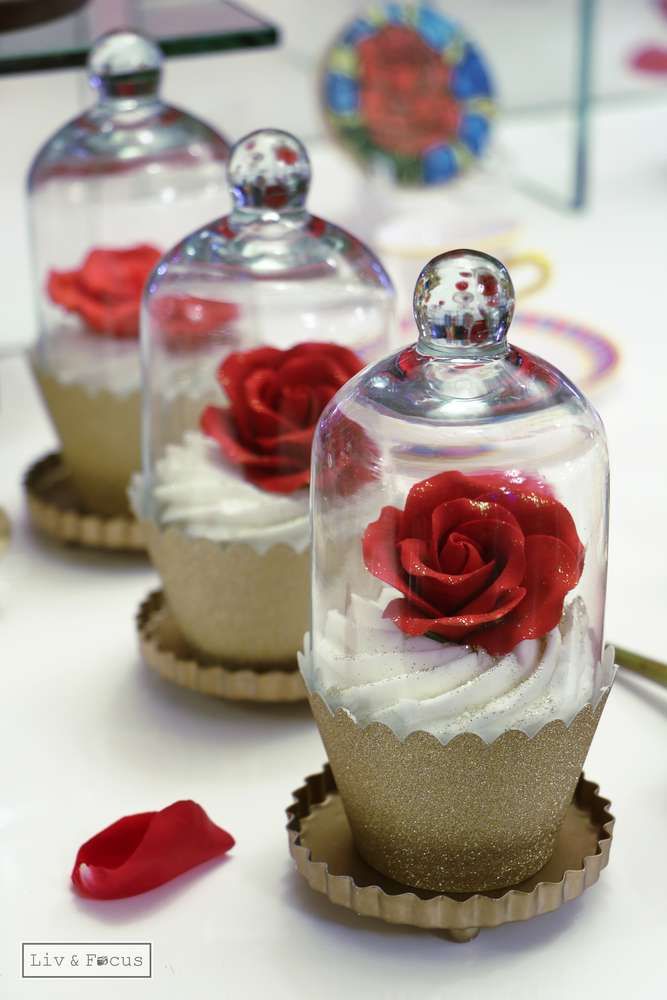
[(186, 321), (275, 400), (443, 591), (106, 290), (453, 629), (483, 559), (551, 571), (143, 851)]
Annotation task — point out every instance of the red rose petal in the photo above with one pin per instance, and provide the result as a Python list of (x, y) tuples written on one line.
[(444, 592), (380, 548), (217, 424), (504, 543), (425, 496), (143, 851), (279, 483), (448, 516), (106, 290), (185, 321), (276, 398), (551, 571), (514, 548), (454, 628), (539, 513)]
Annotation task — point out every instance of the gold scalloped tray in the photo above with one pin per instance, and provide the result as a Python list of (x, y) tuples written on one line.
[(54, 510), (165, 651), (321, 843)]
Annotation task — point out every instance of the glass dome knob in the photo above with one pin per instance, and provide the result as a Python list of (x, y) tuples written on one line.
[(269, 169), (463, 305), (125, 64)]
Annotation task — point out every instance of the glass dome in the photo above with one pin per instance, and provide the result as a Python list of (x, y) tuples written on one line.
[(107, 194), (459, 508), (249, 327), (455, 663), (267, 274)]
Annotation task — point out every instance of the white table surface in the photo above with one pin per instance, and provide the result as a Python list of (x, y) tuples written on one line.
[(87, 734)]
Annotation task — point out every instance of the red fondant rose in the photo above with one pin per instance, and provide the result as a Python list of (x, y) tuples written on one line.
[(485, 560), (106, 290), (186, 321), (405, 98), (275, 400), (140, 852)]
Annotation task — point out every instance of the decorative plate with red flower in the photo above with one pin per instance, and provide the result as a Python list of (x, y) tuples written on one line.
[(404, 86)]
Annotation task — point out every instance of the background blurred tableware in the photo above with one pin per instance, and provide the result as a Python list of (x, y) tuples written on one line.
[(407, 94), (406, 241)]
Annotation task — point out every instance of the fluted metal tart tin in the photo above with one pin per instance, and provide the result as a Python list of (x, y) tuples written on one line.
[(165, 651), (321, 843), (55, 511)]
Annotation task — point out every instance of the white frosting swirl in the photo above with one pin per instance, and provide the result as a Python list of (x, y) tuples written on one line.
[(196, 490), (367, 666), (107, 364)]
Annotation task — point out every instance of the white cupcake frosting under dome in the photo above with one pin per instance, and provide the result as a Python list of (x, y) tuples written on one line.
[(417, 683), (196, 490), (105, 364)]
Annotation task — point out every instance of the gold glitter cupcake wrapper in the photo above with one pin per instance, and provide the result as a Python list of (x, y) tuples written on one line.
[(464, 816), (233, 604), (321, 843), (165, 651), (54, 510)]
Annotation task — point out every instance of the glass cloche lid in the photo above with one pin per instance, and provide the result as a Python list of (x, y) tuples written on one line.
[(129, 123), (459, 509), (108, 194), (285, 275), (267, 275)]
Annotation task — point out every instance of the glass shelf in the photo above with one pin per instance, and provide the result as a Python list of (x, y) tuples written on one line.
[(180, 27)]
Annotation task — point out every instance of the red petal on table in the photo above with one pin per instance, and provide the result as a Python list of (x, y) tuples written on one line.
[(141, 852)]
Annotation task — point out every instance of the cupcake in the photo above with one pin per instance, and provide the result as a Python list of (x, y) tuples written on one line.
[(224, 488), (455, 664), (107, 193)]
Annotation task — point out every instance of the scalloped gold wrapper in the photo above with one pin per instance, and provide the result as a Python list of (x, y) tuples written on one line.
[(322, 845), (99, 436), (165, 651), (464, 816), (54, 509), (232, 603)]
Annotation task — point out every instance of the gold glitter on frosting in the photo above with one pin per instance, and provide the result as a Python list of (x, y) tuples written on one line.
[(466, 816)]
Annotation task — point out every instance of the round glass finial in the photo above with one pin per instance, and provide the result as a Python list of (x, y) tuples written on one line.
[(125, 64), (463, 304), (269, 169)]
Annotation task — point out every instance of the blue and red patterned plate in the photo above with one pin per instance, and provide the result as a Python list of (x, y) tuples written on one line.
[(405, 90)]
